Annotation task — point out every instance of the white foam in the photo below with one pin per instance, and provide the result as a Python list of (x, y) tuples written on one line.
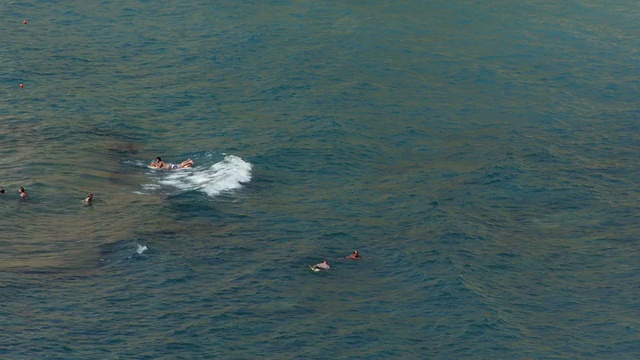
[(226, 175), (141, 249), (150, 187), (138, 163)]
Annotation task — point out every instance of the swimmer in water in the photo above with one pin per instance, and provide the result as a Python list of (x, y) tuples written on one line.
[(1, 191), (88, 199), (159, 164), (321, 266), (23, 194), (354, 256)]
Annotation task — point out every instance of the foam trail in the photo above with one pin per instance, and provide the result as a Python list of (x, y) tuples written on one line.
[(137, 163), (229, 174)]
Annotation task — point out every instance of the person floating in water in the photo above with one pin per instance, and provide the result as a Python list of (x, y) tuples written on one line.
[(23, 194), (159, 164), (1, 191), (321, 266), (88, 199), (354, 256)]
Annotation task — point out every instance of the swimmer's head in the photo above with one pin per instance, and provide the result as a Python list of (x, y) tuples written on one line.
[(158, 159), (21, 189)]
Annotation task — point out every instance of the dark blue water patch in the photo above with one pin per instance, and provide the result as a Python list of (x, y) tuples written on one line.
[(307, 161), (278, 93), (495, 175), (174, 275), (19, 75), (16, 285), (125, 150), (542, 155), (195, 204), (263, 181), (449, 295), (118, 131)]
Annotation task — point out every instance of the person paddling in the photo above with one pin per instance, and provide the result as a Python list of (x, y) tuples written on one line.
[(321, 266), (159, 164), (354, 256)]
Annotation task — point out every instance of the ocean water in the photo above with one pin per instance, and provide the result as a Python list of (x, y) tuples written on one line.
[(482, 157)]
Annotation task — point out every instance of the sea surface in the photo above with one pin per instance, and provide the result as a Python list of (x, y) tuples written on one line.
[(483, 157)]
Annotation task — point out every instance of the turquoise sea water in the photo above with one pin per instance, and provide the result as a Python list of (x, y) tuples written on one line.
[(482, 156)]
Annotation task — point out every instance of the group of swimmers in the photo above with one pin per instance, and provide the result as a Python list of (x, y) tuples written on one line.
[(156, 164), (323, 266), (25, 196), (159, 164), (21, 191)]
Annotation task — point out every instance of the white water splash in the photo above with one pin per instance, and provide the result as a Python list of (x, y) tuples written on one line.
[(141, 249), (228, 174)]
